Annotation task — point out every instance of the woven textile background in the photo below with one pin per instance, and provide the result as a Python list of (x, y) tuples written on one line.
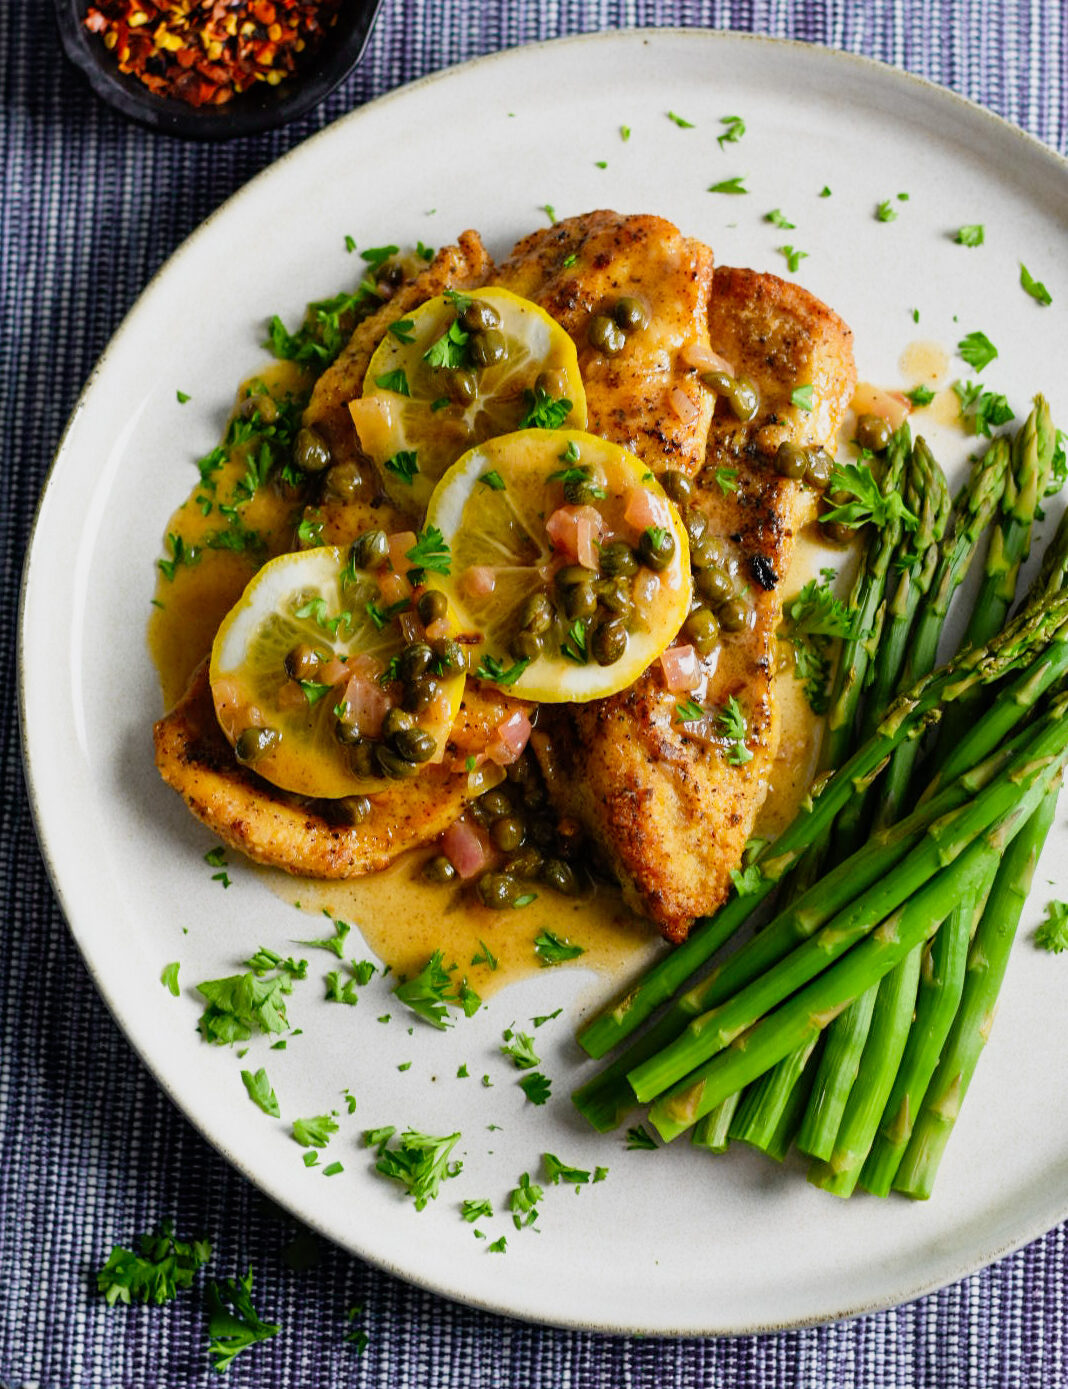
[(90, 1151)]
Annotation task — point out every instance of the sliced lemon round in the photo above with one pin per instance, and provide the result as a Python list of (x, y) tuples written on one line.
[(567, 560), (439, 383), (325, 679)]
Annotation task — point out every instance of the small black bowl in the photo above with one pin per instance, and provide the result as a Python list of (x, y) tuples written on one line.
[(260, 108)]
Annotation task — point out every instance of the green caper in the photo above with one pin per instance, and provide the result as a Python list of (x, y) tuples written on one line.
[(362, 760), (559, 874), (580, 491), (415, 744), (553, 383), (734, 615), (790, 461), (703, 630), (303, 662), (656, 548), (873, 432), (392, 764), (743, 399), (438, 870), (714, 583), (534, 795), (359, 808), (527, 863), (618, 559), (479, 316), (311, 452), (396, 721), (461, 385), (717, 381), (347, 734), (520, 771), (420, 694), (678, 486), (508, 833), (498, 890), (542, 831), (580, 601), (615, 595), (837, 533), (606, 335), (630, 314), (488, 348), (695, 523), (259, 404), (415, 660), (449, 656), (255, 743), (495, 803), (370, 550), (432, 606), (537, 614), (818, 471), (526, 645), (572, 574), (706, 552), (609, 641), (343, 482)]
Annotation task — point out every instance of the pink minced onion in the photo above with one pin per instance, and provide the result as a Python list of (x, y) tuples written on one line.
[(393, 587), (683, 405), (574, 532), (479, 581), (509, 739), (367, 705), (466, 848), (891, 406), (643, 509), (696, 354), (682, 670), (400, 542)]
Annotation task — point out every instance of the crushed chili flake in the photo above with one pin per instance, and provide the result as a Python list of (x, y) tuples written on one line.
[(207, 51)]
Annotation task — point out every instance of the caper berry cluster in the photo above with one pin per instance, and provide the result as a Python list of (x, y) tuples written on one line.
[(809, 465), (720, 602), (608, 332), (739, 392), (525, 836)]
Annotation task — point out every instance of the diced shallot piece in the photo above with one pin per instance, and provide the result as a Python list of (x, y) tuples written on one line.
[(373, 418), (574, 531), (509, 739), (682, 405), (682, 670), (438, 630), (367, 705), (696, 354), (333, 671), (891, 406), (643, 509), (479, 581), (466, 848), (399, 545), (393, 587)]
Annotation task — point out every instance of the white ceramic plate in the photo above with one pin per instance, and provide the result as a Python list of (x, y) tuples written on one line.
[(671, 1242)]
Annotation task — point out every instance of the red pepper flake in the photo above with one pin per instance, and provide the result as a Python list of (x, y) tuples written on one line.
[(205, 52)]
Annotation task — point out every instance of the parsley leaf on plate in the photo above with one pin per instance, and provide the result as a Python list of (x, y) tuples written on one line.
[(1052, 934), (419, 1161), (260, 1091), (552, 949)]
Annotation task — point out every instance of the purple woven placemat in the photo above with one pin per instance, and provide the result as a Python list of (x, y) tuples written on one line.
[(90, 1151)]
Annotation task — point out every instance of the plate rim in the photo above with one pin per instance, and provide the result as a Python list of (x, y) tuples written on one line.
[(643, 36)]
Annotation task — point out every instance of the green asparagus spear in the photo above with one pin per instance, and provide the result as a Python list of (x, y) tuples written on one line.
[(1022, 640), (811, 1008), (836, 1076), (714, 1130), (768, 1100), (987, 961)]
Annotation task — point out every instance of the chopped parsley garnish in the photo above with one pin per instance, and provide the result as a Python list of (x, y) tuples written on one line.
[(680, 121), (524, 899), (492, 479), (376, 256), (314, 690), (1035, 288), (920, 395), (340, 992), (499, 1246), (356, 1336), (315, 1132), (394, 381), (601, 163), (462, 1073), (381, 617), (363, 970), (735, 129), (793, 256), (777, 219), (574, 645), (350, 1100), (179, 552), (240, 1005), (336, 942), (550, 212), (977, 350), (424, 252), (476, 1210), (216, 857), (430, 551), (885, 212), (333, 1169), (234, 1324), (182, 397), (542, 411), (536, 1087), (520, 1047), (451, 351), (688, 711), (546, 1017), (734, 727), (599, 1174), (624, 133), (310, 532), (814, 618), (419, 1161), (640, 1137), (403, 464), (1052, 934), (402, 330), (169, 977), (432, 992), (973, 235), (557, 1171), (316, 609), (586, 475), (568, 261), (265, 960), (801, 396), (552, 949), (489, 668), (328, 323), (730, 185), (260, 1091), (484, 956), (869, 504), (749, 879), (727, 478), (825, 191), (522, 1202), (155, 1273), (982, 409)]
